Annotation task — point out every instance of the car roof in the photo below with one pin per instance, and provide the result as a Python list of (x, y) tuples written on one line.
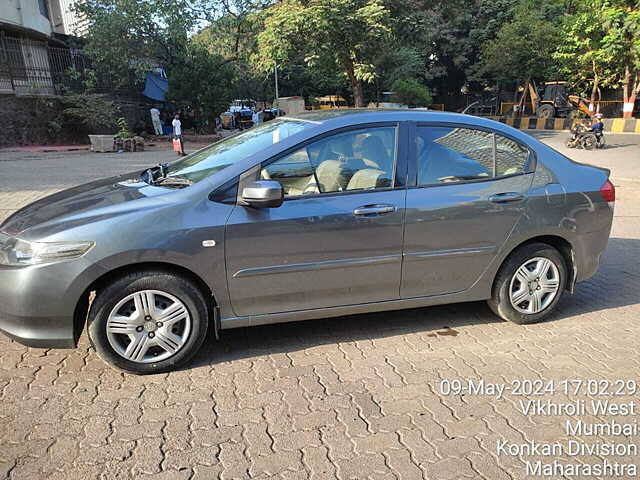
[(361, 115), (341, 117)]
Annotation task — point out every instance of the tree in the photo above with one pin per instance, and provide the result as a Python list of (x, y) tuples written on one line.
[(523, 49), (601, 45), (126, 38), (203, 80), (581, 52), (447, 36), (411, 92), (621, 19), (344, 34)]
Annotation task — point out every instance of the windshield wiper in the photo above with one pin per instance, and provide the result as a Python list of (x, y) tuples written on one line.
[(153, 174)]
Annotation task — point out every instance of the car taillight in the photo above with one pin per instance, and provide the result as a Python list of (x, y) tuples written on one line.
[(608, 192)]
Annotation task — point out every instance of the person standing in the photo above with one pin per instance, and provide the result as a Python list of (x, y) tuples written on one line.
[(255, 118), (155, 119), (177, 132)]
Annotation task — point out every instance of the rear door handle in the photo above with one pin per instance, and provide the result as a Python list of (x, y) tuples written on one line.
[(370, 210), (506, 197)]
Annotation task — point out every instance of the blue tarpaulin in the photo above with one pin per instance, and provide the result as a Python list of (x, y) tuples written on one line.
[(155, 87)]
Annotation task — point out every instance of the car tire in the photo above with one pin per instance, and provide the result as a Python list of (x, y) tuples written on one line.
[(512, 284), (122, 322)]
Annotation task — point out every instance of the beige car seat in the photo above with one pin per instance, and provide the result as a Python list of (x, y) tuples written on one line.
[(330, 177), (368, 178)]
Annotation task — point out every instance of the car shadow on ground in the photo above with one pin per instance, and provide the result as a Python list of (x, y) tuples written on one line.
[(615, 285), (439, 322)]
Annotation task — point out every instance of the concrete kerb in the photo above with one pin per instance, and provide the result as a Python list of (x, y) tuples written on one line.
[(611, 125)]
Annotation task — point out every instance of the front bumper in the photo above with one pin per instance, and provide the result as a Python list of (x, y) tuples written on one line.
[(44, 332), (38, 303)]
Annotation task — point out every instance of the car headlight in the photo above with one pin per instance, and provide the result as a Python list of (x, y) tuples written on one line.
[(15, 252)]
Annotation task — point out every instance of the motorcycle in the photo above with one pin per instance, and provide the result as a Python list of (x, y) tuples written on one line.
[(583, 137)]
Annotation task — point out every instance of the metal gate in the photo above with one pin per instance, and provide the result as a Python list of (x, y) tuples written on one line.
[(32, 67)]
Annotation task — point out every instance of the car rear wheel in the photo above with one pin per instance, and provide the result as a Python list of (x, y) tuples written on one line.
[(148, 322), (529, 284)]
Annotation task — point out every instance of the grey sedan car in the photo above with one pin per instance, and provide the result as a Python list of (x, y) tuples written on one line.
[(317, 215)]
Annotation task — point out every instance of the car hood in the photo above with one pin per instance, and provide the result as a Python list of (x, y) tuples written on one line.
[(101, 198)]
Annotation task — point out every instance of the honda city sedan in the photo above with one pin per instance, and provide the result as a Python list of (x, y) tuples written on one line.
[(317, 215)]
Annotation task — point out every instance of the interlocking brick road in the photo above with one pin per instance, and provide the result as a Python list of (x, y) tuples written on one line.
[(349, 398)]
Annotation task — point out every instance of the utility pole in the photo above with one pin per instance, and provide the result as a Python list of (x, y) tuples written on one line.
[(276, 77)]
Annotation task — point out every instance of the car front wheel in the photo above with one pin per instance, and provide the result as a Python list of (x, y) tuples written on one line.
[(529, 285), (148, 322)]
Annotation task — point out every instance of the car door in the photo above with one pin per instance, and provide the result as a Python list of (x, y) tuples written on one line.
[(337, 237), (468, 188)]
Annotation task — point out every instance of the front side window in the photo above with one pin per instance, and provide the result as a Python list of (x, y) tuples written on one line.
[(356, 160), (234, 149), (447, 154)]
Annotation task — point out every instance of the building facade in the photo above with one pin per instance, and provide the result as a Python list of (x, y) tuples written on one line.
[(65, 20), (33, 55)]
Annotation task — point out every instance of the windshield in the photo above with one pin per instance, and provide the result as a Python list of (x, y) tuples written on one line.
[(234, 149)]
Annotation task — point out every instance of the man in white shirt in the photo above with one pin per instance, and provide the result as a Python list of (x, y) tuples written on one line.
[(155, 119), (177, 132), (255, 118)]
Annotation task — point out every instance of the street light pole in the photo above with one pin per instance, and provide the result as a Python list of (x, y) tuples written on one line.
[(276, 77)]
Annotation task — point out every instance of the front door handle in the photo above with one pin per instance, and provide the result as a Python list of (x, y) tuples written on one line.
[(370, 210), (506, 197)]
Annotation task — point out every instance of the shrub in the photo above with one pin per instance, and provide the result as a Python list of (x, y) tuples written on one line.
[(411, 92), (92, 112), (123, 128)]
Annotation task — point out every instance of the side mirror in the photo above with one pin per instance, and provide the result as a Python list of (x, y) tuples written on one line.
[(263, 194)]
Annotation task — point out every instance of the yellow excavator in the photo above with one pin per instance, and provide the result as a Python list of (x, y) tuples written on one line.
[(555, 101)]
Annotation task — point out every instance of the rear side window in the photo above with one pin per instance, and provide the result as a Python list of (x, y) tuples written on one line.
[(511, 157), (447, 155)]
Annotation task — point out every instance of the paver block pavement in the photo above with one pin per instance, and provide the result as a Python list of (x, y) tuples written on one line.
[(350, 398)]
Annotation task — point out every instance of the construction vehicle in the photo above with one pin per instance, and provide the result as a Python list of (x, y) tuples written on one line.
[(331, 101), (555, 101)]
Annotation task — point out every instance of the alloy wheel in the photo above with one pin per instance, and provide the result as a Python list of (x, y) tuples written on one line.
[(148, 326), (534, 285)]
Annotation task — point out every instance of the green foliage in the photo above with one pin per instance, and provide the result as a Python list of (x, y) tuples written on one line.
[(92, 112), (123, 128), (53, 128), (128, 37), (343, 34), (601, 45), (522, 49), (217, 50), (621, 19), (447, 35), (411, 92), (581, 54), (201, 80)]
